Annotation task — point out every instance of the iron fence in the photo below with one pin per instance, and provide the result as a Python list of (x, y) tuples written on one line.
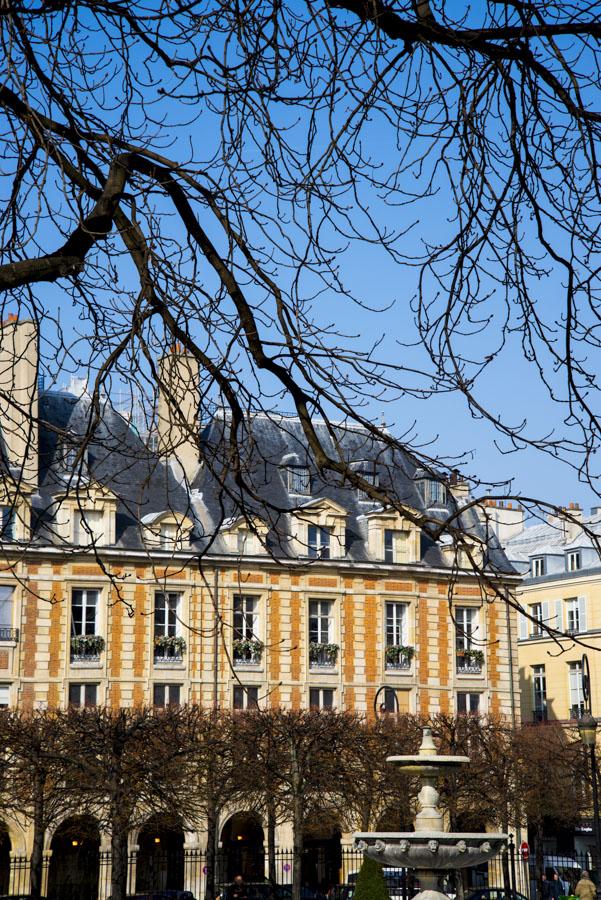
[(326, 874)]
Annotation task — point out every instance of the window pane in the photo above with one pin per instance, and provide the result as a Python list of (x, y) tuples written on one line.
[(388, 545), (6, 606), (90, 695), (74, 694), (174, 692), (328, 698), (461, 702), (299, 480), (4, 695), (238, 697), (314, 698), (158, 695)]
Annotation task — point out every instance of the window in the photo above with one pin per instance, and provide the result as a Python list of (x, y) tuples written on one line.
[(576, 692), (573, 619), (468, 704), (83, 695), (432, 492), (538, 566), (168, 535), (4, 695), (370, 475), (299, 480), (466, 625), (166, 614), (318, 542), (396, 624), (395, 546), (320, 621), (7, 523), (84, 604), (166, 695), (7, 632), (321, 698), (87, 526), (537, 614), (246, 697), (539, 685), (389, 701), (573, 561), (246, 618), (247, 541)]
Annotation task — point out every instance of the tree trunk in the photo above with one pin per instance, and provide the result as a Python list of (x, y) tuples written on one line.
[(297, 846), (271, 867), (118, 864), (37, 850), (211, 848)]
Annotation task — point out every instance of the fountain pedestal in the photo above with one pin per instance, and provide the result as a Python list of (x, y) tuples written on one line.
[(430, 849)]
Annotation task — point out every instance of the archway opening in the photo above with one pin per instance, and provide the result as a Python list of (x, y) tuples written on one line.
[(322, 853), (75, 860), (5, 848), (160, 858), (242, 851)]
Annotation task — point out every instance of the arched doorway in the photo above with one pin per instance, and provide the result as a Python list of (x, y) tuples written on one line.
[(322, 853), (75, 860), (242, 848), (160, 859), (5, 848)]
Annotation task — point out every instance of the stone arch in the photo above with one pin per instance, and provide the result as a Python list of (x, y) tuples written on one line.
[(242, 848), (160, 855), (75, 860)]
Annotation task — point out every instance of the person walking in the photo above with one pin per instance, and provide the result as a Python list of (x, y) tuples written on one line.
[(586, 888), (552, 887), (237, 889)]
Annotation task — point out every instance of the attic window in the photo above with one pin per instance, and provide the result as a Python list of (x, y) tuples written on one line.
[(299, 480), (432, 492), (7, 523), (168, 536), (574, 561), (72, 455), (368, 473), (538, 566), (88, 527)]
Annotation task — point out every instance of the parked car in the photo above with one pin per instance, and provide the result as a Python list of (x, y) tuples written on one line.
[(260, 890), (495, 893)]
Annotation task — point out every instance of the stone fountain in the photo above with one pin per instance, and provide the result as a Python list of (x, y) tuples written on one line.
[(430, 848)]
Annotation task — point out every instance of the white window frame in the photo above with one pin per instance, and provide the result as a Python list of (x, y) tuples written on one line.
[(575, 685), (322, 698), (84, 688), (470, 711), (90, 598), (172, 605), (5, 695), (298, 480), (168, 688), (321, 621), (168, 535), (573, 615), (538, 566), (537, 621), (245, 696), (573, 561), (84, 527), (396, 625), (466, 626), (246, 617), (319, 542), (539, 690), (7, 605)]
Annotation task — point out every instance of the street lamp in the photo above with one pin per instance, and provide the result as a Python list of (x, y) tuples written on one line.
[(587, 726)]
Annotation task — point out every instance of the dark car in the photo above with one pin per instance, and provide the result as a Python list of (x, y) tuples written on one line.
[(495, 893), (261, 890), (161, 895)]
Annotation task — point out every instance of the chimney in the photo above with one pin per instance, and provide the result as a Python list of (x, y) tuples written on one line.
[(459, 487), (19, 360), (178, 426)]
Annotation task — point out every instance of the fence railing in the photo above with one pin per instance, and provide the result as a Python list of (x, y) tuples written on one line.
[(87, 875)]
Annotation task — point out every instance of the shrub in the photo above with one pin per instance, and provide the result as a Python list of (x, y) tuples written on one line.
[(371, 884)]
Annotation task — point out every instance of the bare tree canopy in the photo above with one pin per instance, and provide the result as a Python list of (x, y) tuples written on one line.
[(201, 172)]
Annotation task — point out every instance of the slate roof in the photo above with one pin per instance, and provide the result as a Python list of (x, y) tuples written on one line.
[(145, 485)]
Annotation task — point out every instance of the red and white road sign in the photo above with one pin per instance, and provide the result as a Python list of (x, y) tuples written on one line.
[(524, 850)]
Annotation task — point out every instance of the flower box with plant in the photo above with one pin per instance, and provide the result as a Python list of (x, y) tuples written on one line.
[(470, 658), (323, 654), (399, 656), (248, 650), (168, 646), (87, 646)]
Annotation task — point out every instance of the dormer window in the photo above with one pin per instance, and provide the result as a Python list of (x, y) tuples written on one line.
[(7, 523), (88, 526), (73, 455), (538, 567), (318, 542), (367, 471), (299, 480), (168, 535), (573, 561), (247, 542), (432, 492)]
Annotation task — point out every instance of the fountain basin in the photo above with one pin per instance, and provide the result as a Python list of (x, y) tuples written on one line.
[(439, 850)]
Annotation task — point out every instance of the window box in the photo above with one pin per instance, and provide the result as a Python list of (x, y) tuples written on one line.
[(248, 652), (323, 656), (86, 648), (398, 656), (469, 662), (168, 649)]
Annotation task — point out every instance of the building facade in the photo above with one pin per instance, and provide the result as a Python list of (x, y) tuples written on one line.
[(140, 576)]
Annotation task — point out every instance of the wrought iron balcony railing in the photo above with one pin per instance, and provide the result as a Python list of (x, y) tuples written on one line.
[(9, 634)]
